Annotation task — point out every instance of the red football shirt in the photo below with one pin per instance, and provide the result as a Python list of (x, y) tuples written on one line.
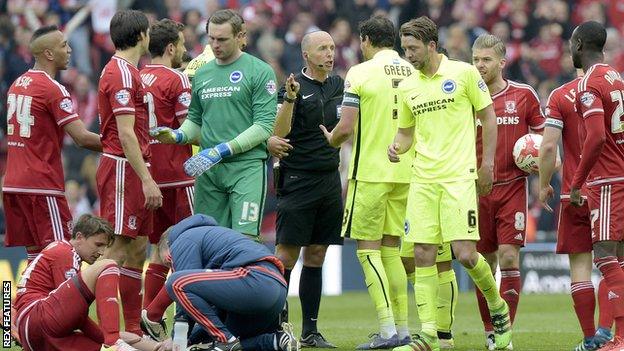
[(517, 109), (53, 266), (38, 109), (168, 98), (121, 92), (561, 114), (601, 92)]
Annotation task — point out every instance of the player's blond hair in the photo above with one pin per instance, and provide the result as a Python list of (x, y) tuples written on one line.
[(489, 41)]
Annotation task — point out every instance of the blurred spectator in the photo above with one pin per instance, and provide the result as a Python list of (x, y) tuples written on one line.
[(457, 44), (347, 48), (77, 200)]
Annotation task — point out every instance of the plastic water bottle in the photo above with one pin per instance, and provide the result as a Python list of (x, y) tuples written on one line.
[(180, 332)]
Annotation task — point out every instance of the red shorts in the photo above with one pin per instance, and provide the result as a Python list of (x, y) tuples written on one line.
[(122, 202), (177, 205), (36, 220), (502, 216), (573, 230), (606, 206), (46, 327)]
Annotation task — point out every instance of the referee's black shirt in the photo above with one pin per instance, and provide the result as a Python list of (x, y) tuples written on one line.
[(317, 103)]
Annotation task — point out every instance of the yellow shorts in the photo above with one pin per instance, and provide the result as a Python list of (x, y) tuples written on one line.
[(374, 209), (442, 212), (445, 252)]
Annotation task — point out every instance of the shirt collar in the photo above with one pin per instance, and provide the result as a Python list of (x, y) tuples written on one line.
[(307, 76), (386, 53), (442, 69)]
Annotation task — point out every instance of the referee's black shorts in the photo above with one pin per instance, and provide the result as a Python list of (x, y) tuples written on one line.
[(309, 208)]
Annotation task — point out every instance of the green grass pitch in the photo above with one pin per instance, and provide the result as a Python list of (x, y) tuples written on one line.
[(544, 322)]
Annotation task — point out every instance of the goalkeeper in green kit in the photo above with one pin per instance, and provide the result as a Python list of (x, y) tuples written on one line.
[(231, 115)]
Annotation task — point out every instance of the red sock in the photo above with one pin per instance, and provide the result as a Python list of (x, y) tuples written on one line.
[(510, 289), (130, 291), (155, 277), (157, 308), (614, 279), (107, 304), (484, 311), (584, 306), (605, 316)]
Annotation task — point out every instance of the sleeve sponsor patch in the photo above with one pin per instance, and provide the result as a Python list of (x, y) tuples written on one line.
[(587, 99), (481, 84), (185, 99), (70, 273), (271, 87), (123, 97), (67, 105)]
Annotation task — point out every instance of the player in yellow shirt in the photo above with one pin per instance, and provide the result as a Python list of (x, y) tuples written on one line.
[(436, 112), (377, 191)]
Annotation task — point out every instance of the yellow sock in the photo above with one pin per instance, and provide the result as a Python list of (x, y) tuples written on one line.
[(447, 300), (426, 291), (482, 276), (397, 280), (378, 289)]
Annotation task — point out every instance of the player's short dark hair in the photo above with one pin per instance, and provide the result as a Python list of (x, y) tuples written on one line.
[(592, 35), (126, 27), (163, 33), (379, 30), (421, 28), (41, 31), (227, 16), (89, 225)]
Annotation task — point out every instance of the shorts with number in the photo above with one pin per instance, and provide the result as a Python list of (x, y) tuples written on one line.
[(606, 209), (309, 208), (36, 220), (177, 205), (46, 327), (445, 253), (574, 230), (233, 193), (374, 209), (122, 202), (442, 212), (502, 216)]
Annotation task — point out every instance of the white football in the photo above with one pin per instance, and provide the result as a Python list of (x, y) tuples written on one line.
[(526, 152)]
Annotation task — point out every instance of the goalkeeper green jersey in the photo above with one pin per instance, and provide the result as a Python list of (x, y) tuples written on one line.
[(228, 99)]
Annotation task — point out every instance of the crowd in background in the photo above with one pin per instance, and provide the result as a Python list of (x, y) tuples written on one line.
[(536, 33)]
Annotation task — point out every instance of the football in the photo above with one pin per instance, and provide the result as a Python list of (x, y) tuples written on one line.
[(526, 152)]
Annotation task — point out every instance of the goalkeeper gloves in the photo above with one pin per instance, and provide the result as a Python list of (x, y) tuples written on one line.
[(204, 160), (167, 135)]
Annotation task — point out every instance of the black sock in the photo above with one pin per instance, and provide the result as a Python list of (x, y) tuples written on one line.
[(287, 275), (310, 288)]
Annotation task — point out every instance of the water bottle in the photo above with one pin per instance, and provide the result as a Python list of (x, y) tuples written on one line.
[(180, 332)]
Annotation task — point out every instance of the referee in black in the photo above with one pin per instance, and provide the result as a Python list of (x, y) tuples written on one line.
[(309, 192)]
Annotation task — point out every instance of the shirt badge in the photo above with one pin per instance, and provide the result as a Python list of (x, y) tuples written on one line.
[(271, 87), (66, 105), (123, 97), (448, 86), (587, 99), (236, 76)]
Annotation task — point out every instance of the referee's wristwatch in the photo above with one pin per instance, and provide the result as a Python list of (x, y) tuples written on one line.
[(287, 99)]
